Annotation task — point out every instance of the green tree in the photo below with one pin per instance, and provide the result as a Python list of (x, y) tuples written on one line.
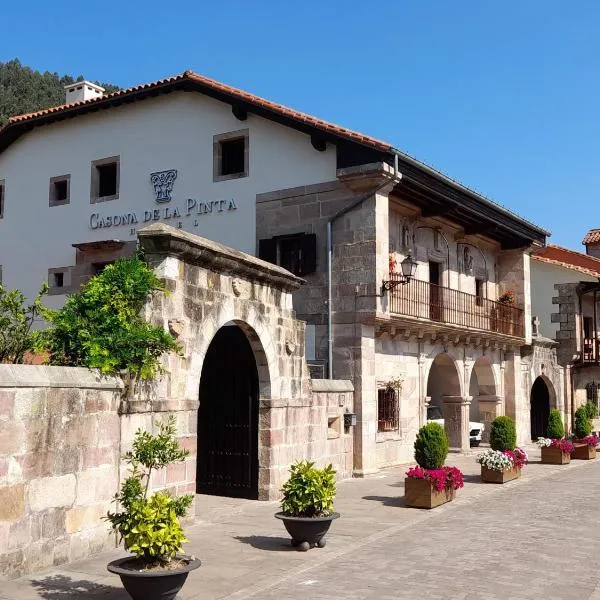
[(582, 426), (16, 322), (24, 90), (503, 435), (556, 429), (431, 446), (102, 326)]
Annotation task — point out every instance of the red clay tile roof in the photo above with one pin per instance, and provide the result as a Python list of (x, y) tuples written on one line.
[(220, 87), (570, 259), (592, 237)]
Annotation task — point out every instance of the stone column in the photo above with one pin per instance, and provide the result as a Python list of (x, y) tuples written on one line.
[(424, 406), (456, 421), (490, 407)]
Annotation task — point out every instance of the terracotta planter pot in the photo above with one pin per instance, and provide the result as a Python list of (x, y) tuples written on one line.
[(583, 452), (490, 476), (555, 456), (419, 493)]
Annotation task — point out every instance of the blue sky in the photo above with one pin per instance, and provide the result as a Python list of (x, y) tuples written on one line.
[(503, 97)]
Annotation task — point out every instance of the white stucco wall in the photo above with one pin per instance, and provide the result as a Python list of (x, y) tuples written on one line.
[(543, 278), (168, 132)]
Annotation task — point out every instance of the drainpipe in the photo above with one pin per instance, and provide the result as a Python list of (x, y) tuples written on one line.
[(335, 217)]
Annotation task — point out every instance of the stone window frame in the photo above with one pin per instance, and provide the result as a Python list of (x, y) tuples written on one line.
[(94, 183), (392, 435), (54, 290), (52, 201), (2, 197), (223, 137)]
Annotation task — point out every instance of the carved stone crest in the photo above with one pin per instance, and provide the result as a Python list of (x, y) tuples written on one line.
[(163, 184)]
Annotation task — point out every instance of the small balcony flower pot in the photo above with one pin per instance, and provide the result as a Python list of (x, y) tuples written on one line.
[(551, 455), (492, 476), (583, 452), (419, 493), (307, 532), (158, 584)]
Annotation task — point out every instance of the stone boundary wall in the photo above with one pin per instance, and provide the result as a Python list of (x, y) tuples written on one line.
[(59, 464), (63, 431), (307, 428)]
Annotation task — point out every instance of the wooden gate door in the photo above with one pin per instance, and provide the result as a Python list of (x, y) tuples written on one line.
[(228, 418)]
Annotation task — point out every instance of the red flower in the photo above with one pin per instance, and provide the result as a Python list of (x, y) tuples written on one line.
[(445, 478), (564, 445), (591, 440)]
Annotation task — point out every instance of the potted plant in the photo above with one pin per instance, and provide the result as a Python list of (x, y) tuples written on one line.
[(431, 484), (149, 524), (584, 443), (556, 450), (307, 505), (503, 461)]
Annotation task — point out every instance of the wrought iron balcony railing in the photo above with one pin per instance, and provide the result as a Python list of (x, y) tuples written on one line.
[(425, 300)]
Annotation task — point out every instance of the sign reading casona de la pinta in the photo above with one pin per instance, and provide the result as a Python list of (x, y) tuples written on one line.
[(163, 182)]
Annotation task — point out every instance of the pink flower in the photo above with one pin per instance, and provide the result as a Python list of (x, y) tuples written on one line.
[(444, 478), (564, 445)]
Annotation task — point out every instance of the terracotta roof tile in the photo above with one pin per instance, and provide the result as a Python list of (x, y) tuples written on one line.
[(227, 89), (592, 237), (570, 259)]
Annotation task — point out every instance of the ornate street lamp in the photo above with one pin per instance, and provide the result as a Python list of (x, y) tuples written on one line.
[(408, 267)]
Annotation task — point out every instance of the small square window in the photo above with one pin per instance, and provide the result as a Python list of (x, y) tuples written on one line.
[(230, 159), (105, 179), (58, 280), (296, 253), (60, 190)]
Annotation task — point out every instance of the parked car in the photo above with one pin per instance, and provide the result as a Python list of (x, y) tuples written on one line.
[(435, 415)]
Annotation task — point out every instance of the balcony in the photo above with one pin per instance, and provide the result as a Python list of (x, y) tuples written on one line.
[(424, 300), (591, 351)]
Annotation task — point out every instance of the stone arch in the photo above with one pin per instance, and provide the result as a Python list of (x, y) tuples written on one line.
[(482, 386), (442, 377), (258, 335)]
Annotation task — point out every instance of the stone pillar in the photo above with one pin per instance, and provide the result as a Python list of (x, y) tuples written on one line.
[(490, 407), (424, 407), (513, 275), (456, 421)]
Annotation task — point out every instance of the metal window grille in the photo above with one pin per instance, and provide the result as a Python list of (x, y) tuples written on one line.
[(591, 390), (387, 409)]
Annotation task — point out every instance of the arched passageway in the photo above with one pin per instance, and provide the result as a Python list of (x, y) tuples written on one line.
[(482, 385), (540, 408), (228, 417)]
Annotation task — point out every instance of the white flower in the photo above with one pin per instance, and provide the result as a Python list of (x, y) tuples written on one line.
[(494, 460), (542, 443)]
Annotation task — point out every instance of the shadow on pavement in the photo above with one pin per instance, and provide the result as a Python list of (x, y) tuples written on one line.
[(473, 479), (263, 542), (61, 587), (387, 500)]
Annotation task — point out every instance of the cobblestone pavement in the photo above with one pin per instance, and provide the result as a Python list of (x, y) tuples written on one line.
[(532, 538)]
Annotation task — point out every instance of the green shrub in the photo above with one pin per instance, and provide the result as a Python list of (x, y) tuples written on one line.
[(591, 409), (431, 446), (503, 435), (309, 491), (16, 322), (556, 429), (149, 526), (582, 426), (103, 327)]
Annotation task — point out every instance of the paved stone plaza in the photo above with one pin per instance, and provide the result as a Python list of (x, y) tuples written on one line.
[(532, 538)]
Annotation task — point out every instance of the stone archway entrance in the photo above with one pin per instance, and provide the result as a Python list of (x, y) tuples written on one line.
[(227, 461), (540, 408), (485, 402), (446, 403)]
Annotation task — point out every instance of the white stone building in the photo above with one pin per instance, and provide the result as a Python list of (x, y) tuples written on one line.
[(335, 207)]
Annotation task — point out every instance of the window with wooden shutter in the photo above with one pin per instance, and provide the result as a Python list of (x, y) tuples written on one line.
[(297, 252)]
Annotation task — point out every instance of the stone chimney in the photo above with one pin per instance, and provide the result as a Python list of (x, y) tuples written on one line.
[(80, 91), (591, 241)]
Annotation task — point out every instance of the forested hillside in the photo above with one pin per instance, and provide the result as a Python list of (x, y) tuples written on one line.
[(24, 90)]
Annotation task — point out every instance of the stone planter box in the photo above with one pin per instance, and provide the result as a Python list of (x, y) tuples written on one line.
[(419, 493), (555, 456), (583, 452), (490, 476)]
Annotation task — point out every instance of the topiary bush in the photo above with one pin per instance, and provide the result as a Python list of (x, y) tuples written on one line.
[(582, 426), (556, 429), (503, 435), (591, 409), (309, 491), (431, 446)]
